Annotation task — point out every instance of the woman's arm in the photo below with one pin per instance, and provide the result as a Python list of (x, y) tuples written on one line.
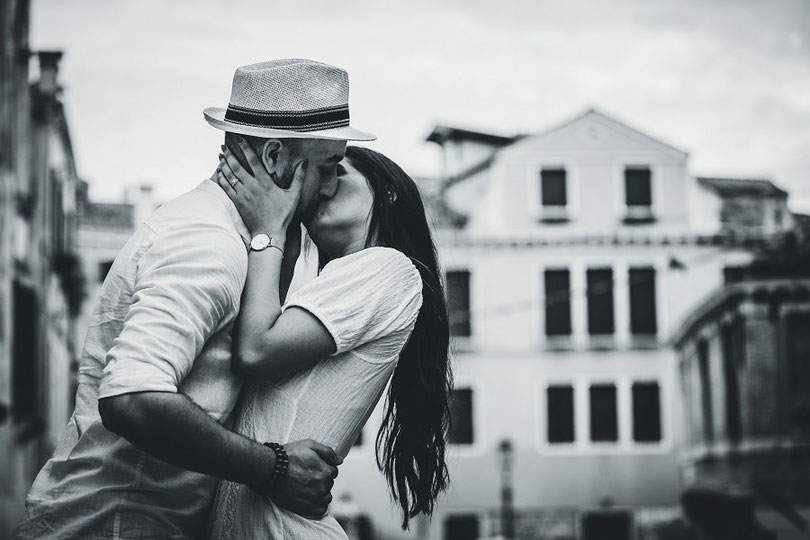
[(268, 344)]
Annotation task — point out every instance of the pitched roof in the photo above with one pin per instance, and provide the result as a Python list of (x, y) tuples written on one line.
[(615, 124), (442, 134), (112, 215), (742, 186)]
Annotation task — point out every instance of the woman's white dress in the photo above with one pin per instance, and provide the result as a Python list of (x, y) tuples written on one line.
[(368, 301)]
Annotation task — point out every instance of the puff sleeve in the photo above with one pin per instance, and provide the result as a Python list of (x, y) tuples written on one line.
[(373, 295)]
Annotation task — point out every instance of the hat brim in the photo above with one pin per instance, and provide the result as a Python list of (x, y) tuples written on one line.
[(216, 117)]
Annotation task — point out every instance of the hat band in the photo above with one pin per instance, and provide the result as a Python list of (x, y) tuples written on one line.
[(315, 119)]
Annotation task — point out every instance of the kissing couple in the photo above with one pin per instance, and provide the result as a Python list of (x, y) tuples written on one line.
[(212, 404)]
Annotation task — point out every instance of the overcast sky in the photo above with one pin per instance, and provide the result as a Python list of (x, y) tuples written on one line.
[(727, 81)]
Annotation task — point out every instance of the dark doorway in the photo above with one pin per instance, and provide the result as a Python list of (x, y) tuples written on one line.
[(25, 368), (461, 527), (606, 526)]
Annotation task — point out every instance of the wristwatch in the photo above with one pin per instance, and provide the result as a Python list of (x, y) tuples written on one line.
[(262, 241)]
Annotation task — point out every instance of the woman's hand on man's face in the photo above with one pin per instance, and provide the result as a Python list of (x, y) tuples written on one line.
[(264, 207)]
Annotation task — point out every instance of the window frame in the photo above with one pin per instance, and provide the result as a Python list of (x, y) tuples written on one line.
[(600, 337), (656, 296), (545, 410), (572, 191), (470, 325), (617, 411), (628, 193), (656, 187), (478, 445), (639, 382), (553, 213), (560, 339)]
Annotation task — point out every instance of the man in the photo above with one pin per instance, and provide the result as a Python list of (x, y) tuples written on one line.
[(146, 443)]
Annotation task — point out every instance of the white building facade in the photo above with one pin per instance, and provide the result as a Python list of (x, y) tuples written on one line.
[(571, 256)]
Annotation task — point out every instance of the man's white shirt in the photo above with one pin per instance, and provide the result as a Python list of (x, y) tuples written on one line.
[(162, 323)]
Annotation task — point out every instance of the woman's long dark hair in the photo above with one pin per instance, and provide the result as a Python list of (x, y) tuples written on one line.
[(411, 441)]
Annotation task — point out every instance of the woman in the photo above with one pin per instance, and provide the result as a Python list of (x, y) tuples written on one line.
[(376, 312)]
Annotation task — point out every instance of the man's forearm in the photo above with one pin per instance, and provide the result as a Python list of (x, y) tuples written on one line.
[(174, 429)]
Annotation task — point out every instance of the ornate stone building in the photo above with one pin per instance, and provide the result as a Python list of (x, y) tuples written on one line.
[(744, 358)]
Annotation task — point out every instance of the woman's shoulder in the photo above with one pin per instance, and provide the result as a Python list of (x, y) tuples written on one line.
[(376, 260)]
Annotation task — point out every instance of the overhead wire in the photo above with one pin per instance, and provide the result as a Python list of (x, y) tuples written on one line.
[(558, 297)]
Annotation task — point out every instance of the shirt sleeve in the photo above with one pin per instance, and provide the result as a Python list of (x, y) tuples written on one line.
[(363, 297), (187, 282)]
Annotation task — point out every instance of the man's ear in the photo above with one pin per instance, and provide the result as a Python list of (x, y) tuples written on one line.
[(271, 152)]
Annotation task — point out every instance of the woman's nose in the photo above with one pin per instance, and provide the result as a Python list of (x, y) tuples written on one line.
[(329, 187)]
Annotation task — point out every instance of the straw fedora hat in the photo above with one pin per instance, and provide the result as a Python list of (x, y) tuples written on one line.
[(290, 98)]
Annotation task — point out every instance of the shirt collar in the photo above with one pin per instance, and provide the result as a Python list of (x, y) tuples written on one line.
[(211, 187)]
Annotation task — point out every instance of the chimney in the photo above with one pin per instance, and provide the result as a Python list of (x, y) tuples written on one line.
[(48, 71), (144, 203)]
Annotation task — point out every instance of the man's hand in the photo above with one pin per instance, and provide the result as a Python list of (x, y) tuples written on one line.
[(306, 488)]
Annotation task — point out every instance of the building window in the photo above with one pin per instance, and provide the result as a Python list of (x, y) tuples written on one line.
[(646, 412), (558, 302), (604, 417), (600, 301), (461, 416), (730, 348), (461, 527), (560, 414), (103, 270), (458, 302), (638, 194), (57, 215), (637, 186), (705, 391), (642, 302), (25, 404), (553, 194), (798, 354), (734, 274)]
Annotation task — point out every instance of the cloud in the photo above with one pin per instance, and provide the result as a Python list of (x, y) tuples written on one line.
[(725, 80)]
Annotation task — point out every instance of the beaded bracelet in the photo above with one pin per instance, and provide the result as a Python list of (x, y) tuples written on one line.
[(280, 469)]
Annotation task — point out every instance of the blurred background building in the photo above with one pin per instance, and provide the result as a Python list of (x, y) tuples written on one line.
[(572, 257), (745, 375), (41, 282), (104, 228)]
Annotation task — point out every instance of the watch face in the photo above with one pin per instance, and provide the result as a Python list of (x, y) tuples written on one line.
[(259, 242)]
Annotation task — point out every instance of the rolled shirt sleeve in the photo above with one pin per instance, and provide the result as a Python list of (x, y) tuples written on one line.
[(188, 285)]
